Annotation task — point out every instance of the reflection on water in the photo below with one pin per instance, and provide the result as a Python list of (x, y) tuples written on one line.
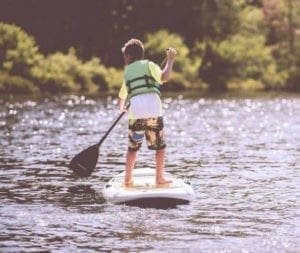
[(241, 155)]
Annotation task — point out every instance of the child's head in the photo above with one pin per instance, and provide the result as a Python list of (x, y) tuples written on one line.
[(133, 50)]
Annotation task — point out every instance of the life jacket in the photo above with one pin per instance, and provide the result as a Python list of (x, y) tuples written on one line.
[(138, 79)]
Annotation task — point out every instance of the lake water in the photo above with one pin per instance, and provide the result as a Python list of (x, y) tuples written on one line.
[(241, 154)]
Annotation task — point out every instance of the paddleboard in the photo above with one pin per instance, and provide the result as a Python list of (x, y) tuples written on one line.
[(145, 193)]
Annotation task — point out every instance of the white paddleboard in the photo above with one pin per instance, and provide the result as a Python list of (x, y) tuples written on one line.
[(145, 193)]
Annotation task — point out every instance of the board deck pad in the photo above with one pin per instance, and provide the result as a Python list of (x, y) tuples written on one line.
[(147, 183), (145, 190)]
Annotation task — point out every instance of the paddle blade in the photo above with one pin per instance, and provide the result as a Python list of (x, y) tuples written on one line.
[(85, 162)]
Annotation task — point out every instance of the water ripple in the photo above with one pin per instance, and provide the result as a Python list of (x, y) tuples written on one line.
[(240, 154)]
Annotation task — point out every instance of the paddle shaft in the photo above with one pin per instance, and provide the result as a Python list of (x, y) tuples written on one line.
[(162, 63), (112, 127)]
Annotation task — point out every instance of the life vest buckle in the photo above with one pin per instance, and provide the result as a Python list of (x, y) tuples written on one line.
[(148, 84)]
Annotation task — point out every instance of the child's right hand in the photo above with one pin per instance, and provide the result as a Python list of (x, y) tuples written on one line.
[(171, 53)]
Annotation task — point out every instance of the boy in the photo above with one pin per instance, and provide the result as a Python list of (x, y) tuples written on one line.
[(141, 87)]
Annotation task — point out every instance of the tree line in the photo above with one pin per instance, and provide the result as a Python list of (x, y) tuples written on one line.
[(74, 46)]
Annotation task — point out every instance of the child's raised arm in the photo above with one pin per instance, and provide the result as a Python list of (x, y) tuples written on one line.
[(166, 73)]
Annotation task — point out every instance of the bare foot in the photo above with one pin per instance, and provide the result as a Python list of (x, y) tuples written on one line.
[(128, 184), (163, 181)]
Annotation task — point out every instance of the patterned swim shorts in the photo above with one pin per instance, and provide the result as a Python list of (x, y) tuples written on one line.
[(152, 128)]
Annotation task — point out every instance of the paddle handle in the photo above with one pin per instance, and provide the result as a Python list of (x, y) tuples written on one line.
[(112, 127)]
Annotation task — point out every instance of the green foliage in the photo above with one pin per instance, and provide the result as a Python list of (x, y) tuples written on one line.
[(275, 17), (243, 56), (283, 25), (57, 72), (237, 56), (293, 80), (242, 43), (60, 72), (251, 22), (15, 85), (247, 49), (18, 50), (157, 43), (215, 19), (177, 82), (215, 70), (114, 78), (247, 84), (97, 73), (107, 79), (248, 54)]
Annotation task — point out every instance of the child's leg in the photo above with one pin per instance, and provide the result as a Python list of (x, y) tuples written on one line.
[(135, 137), (160, 164), (130, 161), (156, 141)]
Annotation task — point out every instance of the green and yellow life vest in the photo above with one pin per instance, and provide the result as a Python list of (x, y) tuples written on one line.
[(138, 79)]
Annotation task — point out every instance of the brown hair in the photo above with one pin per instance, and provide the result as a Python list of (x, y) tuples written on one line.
[(135, 49)]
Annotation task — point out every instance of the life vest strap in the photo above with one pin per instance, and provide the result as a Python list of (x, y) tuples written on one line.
[(145, 77), (142, 86)]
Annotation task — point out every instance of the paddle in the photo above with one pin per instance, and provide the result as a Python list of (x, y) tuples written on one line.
[(84, 163)]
